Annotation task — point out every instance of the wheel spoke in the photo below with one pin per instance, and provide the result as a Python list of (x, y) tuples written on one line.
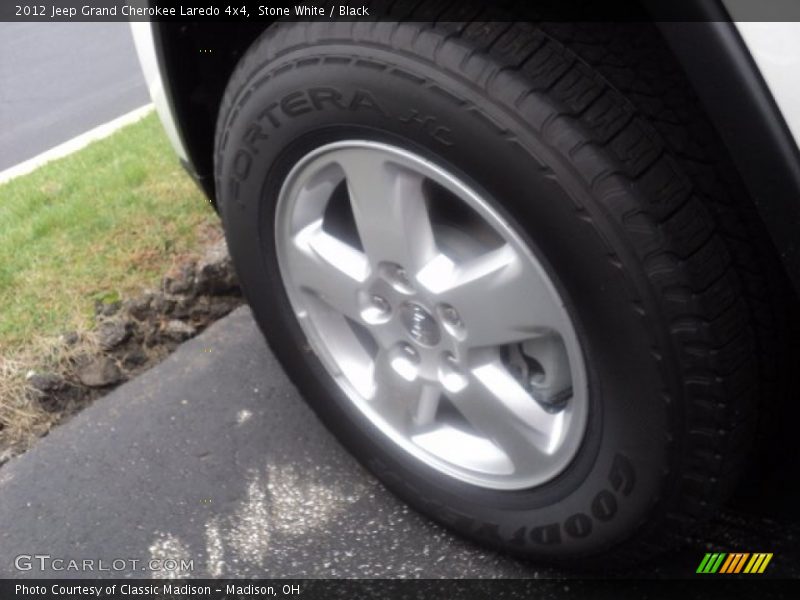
[(499, 408), (501, 298), (493, 424), (328, 267), (397, 391), (390, 211), (427, 403)]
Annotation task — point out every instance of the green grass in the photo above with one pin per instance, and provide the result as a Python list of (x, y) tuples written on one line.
[(99, 224)]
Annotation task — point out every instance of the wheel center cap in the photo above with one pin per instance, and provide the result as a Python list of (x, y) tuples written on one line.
[(421, 325)]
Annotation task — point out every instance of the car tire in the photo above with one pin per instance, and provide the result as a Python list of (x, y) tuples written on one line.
[(567, 166)]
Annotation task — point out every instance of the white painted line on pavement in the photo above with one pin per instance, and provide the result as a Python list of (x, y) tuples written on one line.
[(75, 143)]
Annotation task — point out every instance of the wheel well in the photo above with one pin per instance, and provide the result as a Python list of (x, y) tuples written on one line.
[(198, 60)]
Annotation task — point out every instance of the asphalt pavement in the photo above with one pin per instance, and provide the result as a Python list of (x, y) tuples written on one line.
[(58, 80), (212, 457)]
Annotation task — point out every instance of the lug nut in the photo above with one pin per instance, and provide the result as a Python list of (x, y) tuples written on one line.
[(381, 304), (451, 320), (405, 361), (409, 350), (375, 309), (397, 277), (450, 316), (450, 374)]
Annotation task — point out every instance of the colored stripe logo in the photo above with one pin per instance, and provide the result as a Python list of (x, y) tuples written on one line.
[(735, 562)]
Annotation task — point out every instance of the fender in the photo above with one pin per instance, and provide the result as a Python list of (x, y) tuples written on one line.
[(741, 107)]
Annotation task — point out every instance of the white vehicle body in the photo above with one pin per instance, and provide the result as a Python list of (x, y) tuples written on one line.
[(775, 47)]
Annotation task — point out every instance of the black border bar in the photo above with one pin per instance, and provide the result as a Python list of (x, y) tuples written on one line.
[(352, 10), (701, 586)]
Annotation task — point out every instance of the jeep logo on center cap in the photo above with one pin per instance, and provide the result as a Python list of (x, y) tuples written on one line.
[(421, 325)]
